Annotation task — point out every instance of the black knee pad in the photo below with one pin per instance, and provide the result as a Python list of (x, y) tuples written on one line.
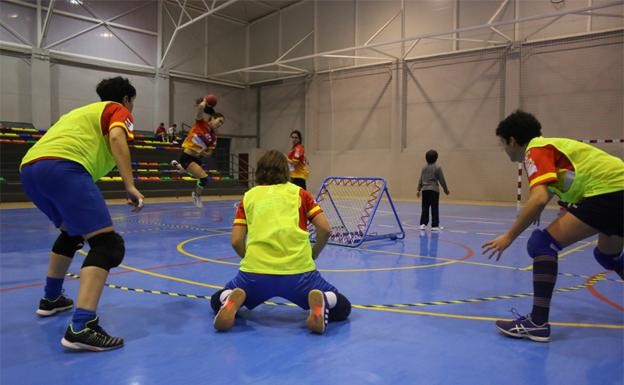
[(215, 300), (341, 311), (107, 251), (67, 245)]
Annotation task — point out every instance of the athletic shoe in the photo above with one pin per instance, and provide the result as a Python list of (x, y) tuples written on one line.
[(319, 313), (437, 228), (48, 307), (92, 338), (197, 199), (423, 227), (224, 320), (178, 166), (524, 327)]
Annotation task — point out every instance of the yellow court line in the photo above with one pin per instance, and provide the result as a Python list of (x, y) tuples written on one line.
[(478, 318), (448, 261), (391, 310), (566, 253)]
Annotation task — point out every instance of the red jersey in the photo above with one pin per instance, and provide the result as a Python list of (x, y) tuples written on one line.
[(200, 137), (116, 115), (547, 165)]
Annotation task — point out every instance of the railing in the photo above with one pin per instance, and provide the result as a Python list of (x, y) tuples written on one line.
[(242, 171)]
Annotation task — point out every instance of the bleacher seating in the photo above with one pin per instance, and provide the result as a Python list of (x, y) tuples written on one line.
[(152, 171)]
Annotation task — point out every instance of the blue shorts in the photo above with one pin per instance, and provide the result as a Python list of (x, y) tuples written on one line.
[(294, 288), (66, 193)]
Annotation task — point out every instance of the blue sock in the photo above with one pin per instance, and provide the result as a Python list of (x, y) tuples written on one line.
[(81, 317), (53, 288)]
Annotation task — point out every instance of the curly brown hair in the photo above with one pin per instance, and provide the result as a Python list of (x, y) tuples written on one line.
[(272, 168)]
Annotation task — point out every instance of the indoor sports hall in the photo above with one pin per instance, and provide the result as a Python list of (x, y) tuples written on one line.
[(371, 87)]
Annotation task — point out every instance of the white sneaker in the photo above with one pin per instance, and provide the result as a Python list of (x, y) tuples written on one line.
[(423, 227), (178, 166), (197, 199), (439, 228)]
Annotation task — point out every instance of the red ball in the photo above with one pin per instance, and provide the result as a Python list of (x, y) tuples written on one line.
[(211, 100)]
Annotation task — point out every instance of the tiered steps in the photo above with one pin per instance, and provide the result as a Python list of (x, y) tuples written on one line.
[(152, 171)]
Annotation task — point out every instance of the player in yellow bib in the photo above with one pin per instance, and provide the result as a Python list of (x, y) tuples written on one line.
[(59, 173), (590, 181), (278, 260)]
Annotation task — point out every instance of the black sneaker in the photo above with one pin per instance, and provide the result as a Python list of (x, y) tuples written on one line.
[(92, 338), (48, 307)]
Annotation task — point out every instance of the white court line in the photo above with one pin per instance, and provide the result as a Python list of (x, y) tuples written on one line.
[(485, 233), (458, 231)]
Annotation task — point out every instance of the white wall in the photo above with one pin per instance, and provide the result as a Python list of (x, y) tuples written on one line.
[(15, 97)]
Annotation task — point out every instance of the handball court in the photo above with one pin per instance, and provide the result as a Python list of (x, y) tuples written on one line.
[(423, 308)]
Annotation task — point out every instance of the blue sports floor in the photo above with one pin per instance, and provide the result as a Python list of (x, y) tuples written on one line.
[(424, 309)]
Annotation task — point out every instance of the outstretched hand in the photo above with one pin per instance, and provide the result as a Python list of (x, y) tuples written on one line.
[(496, 246), (136, 199)]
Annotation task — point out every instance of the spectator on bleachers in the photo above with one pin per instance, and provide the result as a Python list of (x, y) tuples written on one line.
[(171, 133), (160, 132)]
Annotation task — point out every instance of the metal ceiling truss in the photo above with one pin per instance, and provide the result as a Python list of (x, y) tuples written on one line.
[(371, 52)]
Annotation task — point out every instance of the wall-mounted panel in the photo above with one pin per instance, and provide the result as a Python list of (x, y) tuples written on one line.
[(226, 45), (15, 86), (576, 88), (455, 102), (73, 86), (21, 23), (297, 22), (429, 16), (189, 49), (264, 40), (539, 29), (479, 12), (371, 17), (282, 111), (355, 110)]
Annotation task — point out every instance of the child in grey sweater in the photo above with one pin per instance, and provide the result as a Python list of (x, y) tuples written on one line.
[(430, 176)]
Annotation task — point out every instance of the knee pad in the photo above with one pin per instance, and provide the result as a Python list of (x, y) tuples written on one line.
[(215, 301), (609, 261), (107, 251), (542, 243), (341, 311), (67, 245), (202, 182)]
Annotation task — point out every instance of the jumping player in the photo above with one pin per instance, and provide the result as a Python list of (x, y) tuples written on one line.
[(200, 142), (277, 259), (590, 181), (58, 173)]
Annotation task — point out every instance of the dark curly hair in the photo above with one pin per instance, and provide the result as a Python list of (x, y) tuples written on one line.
[(114, 89), (272, 168), (519, 125)]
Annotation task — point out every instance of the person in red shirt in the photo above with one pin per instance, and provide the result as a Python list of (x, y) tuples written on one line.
[(200, 142), (160, 132), (297, 161)]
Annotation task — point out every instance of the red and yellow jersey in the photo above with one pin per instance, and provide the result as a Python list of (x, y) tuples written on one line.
[(297, 162), (307, 211), (116, 115), (548, 166), (201, 137), (81, 136)]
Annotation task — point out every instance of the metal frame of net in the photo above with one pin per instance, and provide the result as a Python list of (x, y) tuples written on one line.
[(350, 205)]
